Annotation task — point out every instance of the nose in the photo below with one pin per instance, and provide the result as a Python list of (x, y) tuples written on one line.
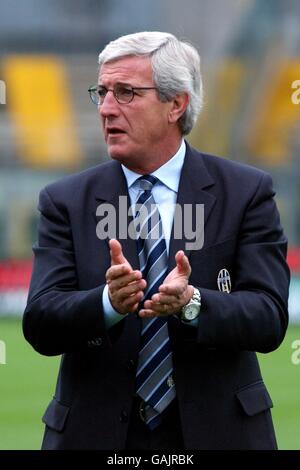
[(110, 106)]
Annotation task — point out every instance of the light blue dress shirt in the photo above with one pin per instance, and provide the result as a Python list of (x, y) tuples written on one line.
[(165, 195)]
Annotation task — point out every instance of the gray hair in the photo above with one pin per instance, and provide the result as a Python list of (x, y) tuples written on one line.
[(175, 67)]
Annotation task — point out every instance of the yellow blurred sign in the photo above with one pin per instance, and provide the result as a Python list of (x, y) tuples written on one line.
[(213, 132), (40, 104), (276, 120)]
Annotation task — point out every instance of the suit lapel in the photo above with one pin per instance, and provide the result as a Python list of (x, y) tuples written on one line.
[(193, 189)]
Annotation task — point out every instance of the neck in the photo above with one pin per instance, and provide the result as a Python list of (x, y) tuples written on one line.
[(159, 158)]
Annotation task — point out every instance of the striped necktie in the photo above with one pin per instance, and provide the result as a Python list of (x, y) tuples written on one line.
[(154, 383)]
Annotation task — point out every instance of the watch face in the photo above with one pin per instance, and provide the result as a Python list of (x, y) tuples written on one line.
[(191, 312)]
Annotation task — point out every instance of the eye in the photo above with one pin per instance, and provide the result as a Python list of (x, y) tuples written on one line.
[(123, 92), (102, 91)]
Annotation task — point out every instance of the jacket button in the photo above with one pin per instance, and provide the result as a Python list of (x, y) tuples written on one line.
[(94, 342), (124, 416), (131, 364)]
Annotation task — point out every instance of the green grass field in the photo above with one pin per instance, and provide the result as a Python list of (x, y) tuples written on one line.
[(27, 382)]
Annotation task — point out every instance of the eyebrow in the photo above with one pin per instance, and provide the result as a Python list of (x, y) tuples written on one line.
[(118, 83)]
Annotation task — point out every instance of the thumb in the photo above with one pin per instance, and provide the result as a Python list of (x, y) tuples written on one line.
[(116, 253), (183, 264)]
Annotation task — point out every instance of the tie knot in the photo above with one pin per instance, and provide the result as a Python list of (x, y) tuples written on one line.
[(147, 182)]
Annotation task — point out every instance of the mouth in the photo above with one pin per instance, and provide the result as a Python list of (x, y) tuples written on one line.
[(113, 131)]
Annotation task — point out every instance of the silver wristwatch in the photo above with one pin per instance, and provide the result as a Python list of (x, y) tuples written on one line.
[(191, 310)]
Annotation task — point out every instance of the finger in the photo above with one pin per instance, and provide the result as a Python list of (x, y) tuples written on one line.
[(116, 252), (164, 299), (132, 288), (122, 273), (121, 291), (161, 309), (148, 304), (175, 290), (182, 263), (133, 308), (131, 303), (144, 313)]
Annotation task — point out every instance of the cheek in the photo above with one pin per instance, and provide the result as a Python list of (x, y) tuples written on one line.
[(147, 123), (158, 126), (156, 123), (101, 119)]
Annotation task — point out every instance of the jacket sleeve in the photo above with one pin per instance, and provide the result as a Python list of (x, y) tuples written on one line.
[(254, 315), (58, 317)]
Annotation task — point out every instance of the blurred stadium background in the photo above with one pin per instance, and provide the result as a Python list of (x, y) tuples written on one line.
[(250, 53)]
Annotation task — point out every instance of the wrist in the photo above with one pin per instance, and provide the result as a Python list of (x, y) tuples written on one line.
[(114, 306), (190, 290)]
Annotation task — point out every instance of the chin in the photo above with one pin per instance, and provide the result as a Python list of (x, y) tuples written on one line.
[(114, 152), (119, 154)]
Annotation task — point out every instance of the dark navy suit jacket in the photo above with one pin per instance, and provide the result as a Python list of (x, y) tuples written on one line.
[(223, 401)]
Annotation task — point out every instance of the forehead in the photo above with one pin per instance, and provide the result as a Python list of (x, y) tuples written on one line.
[(130, 69)]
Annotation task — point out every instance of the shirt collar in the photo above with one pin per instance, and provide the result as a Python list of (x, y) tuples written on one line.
[(168, 174)]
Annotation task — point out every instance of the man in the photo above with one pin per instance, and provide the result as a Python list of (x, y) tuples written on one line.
[(157, 333)]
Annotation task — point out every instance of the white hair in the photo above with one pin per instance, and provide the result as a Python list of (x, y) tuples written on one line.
[(175, 67)]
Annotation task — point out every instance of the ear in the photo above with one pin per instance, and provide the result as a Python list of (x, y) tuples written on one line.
[(179, 105)]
